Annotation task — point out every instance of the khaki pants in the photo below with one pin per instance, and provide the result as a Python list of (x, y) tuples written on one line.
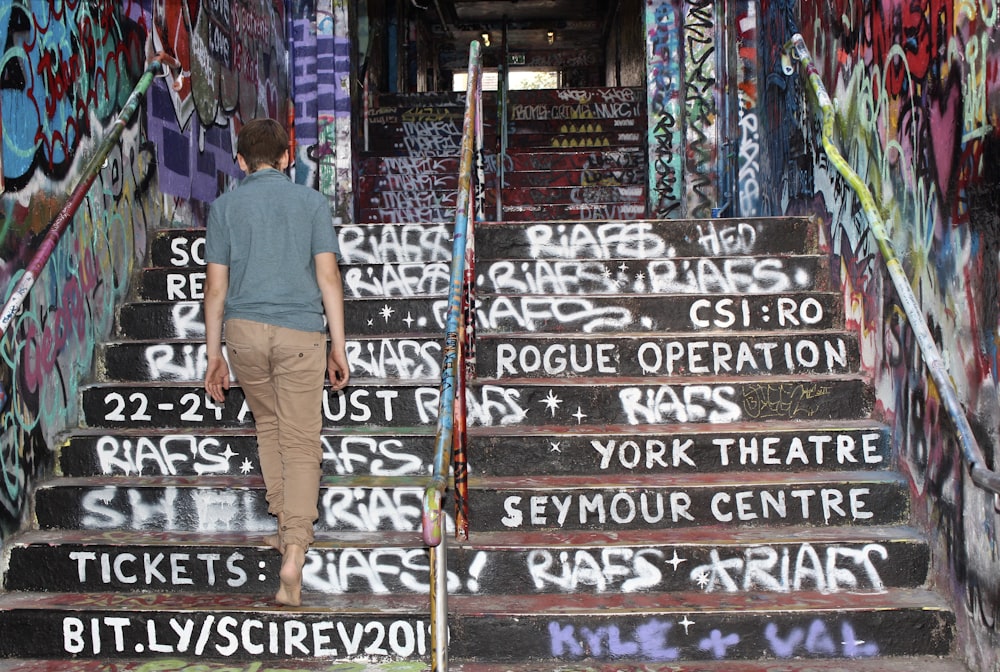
[(281, 372)]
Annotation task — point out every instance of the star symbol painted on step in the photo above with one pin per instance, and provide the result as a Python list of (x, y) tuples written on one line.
[(246, 467), (409, 320), (552, 402), (371, 322), (386, 312), (579, 415), (687, 623), (702, 579), (228, 452), (606, 273), (623, 267), (676, 560), (555, 446)]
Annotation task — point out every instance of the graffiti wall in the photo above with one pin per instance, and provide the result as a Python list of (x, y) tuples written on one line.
[(917, 91), (67, 68), (683, 100)]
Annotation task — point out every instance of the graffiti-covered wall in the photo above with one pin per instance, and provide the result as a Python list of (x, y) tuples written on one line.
[(67, 68), (917, 91)]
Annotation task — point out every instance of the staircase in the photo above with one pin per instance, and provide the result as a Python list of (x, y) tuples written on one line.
[(673, 467)]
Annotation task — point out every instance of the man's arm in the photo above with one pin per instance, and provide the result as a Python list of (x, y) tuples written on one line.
[(217, 373), (332, 287)]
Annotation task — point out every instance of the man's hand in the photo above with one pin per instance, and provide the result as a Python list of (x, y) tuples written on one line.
[(338, 368), (217, 378)]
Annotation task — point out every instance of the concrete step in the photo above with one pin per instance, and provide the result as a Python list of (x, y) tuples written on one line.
[(558, 161), (405, 215), (576, 104), (579, 126), (596, 173), (573, 355), (575, 140), (566, 240), (412, 317), (645, 239), (660, 627), (540, 356), (899, 664), (369, 504), (359, 244), (576, 211), (133, 360), (576, 194), (675, 275), (496, 451), (841, 559), (233, 452), (520, 402)]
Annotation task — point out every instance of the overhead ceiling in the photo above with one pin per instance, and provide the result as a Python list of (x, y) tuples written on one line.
[(574, 24)]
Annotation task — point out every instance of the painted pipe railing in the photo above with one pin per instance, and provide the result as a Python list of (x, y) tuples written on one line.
[(65, 215), (981, 474), (452, 375)]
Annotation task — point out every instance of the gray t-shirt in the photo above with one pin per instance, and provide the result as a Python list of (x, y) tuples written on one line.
[(267, 232)]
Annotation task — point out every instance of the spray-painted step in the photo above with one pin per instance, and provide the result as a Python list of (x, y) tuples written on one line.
[(662, 313), (676, 275), (401, 317), (572, 195), (655, 626), (680, 449), (907, 664), (359, 244), (405, 215), (185, 361), (162, 452), (519, 402), (413, 317), (580, 177), (558, 161), (633, 239), (646, 239), (185, 407), (587, 212), (834, 560), (573, 104), (570, 127), (575, 355), (514, 356), (616, 450), (409, 165), (624, 140), (592, 503), (898, 664), (402, 200), (360, 281)]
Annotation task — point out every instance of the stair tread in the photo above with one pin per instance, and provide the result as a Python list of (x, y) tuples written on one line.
[(563, 482), (498, 605), (488, 540), (908, 664)]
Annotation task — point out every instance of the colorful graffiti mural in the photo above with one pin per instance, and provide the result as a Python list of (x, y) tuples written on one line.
[(67, 68), (917, 89)]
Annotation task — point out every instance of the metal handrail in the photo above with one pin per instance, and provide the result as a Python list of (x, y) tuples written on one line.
[(980, 473), (65, 215), (452, 385)]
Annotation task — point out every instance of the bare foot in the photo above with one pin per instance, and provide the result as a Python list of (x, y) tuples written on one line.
[(290, 591), (274, 541)]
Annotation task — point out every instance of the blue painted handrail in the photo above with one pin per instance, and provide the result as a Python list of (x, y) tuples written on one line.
[(981, 474), (452, 384)]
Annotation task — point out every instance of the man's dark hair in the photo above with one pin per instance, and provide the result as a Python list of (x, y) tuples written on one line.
[(261, 143)]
